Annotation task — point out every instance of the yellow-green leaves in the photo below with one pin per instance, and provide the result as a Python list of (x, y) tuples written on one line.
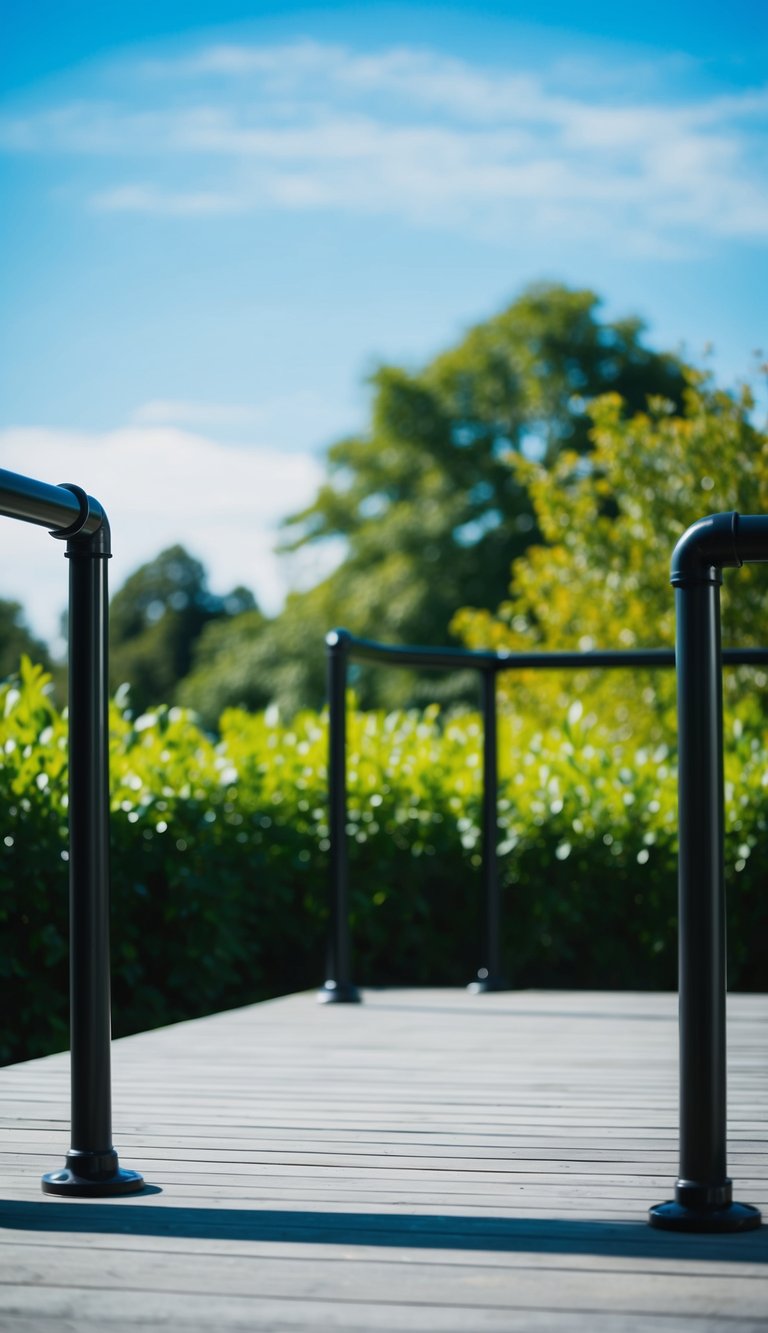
[(611, 520), (220, 854)]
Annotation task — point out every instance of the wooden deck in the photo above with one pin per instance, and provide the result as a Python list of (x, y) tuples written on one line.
[(428, 1160)]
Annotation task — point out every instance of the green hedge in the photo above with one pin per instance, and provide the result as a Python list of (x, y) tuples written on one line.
[(220, 858)]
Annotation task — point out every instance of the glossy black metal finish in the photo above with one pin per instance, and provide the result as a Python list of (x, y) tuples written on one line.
[(703, 1193), (459, 659), (364, 650), (732, 1217), (57, 507), (701, 887), (702, 965), (89, 848), (338, 987), (490, 975), (92, 1166), (705, 549), (70, 1183), (332, 992)]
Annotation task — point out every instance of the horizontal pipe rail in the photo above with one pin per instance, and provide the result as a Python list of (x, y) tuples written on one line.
[(58, 508), (342, 647), (455, 659)]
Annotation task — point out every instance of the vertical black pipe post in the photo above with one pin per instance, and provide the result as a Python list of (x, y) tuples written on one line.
[(92, 1166), (703, 1192), (489, 974), (338, 987)]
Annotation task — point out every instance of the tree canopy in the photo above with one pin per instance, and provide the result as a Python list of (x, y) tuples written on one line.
[(536, 474), (16, 639), (426, 501), (156, 618), (492, 456), (609, 522)]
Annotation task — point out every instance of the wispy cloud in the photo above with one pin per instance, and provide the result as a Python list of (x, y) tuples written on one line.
[(415, 135), (297, 422), (160, 485), (149, 199), (199, 415)]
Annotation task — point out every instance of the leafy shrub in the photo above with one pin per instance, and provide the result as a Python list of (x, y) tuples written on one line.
[(219, 857)]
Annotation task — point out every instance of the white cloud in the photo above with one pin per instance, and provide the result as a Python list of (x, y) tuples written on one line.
[(159, 485), (201, 416), (419, 136), (148, 199), (297, 422)]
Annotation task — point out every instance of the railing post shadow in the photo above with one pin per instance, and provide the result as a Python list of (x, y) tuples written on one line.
[(703, 1193), (338, 987), (490, 975)]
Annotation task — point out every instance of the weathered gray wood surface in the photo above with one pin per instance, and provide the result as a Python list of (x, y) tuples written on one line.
[(428, 1160)]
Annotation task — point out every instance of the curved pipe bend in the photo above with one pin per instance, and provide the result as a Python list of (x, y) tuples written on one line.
[(338, 640), (705, 549), (721, 541), (90, 531)]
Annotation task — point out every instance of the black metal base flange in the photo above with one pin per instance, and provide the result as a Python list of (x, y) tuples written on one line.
[(486, 983), (94, 1175), (732, 1217), (339, 992), (66, 1182)]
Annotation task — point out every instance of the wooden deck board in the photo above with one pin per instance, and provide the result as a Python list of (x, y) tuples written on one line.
[(428, 1161)]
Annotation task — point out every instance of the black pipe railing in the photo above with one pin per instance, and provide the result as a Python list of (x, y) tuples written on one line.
[(490, 974), (703, 1193), (92, 1166), (338, 988), (342, 648)]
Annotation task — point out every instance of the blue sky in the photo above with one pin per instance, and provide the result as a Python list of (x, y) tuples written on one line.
[(216, 220)]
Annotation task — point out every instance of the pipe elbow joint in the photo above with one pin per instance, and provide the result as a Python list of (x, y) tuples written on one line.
[(90, 532), (704, 550), (338, 640)]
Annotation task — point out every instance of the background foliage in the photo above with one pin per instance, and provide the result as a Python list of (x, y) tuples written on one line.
[(157, 619), (220, 857), (425, 500), (609, 522), (497, 452)]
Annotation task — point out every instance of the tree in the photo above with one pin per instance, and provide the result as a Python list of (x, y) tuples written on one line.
[(224, 672), (429, 507), (427, 502), (610, 520), (156, 619), (17, 639), (252, 662)]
